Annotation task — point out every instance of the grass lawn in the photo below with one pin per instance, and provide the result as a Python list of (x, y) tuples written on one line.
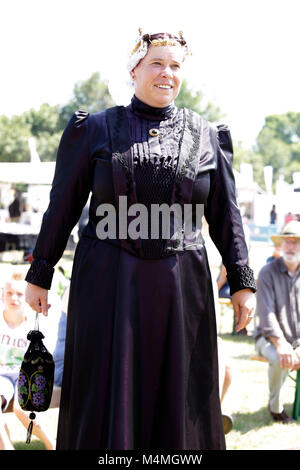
[(247, 399)]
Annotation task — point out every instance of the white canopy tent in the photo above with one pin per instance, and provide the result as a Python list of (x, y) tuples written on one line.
[(33, 172), (27, 172), (37, 175)]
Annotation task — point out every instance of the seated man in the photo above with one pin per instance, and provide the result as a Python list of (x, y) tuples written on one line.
[(278, 309), (13, 344)]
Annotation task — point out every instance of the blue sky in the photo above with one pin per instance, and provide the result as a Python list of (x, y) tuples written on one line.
[(245, 53)]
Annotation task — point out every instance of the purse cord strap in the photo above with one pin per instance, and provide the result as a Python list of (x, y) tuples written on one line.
[(36, 324)]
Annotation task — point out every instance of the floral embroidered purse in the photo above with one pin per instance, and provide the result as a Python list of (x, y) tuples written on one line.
[(36, 376)]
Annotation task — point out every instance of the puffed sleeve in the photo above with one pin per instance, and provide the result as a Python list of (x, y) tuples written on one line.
[(69, 193), (223, 215)]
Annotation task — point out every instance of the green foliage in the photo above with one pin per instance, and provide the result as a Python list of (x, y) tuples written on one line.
[(44, 120), (285, 127), (44, 126), (92, 95), (34, 445), (47, 145), (279, 143), (47, 123), (14, 133), (242, 155), (22, 187), (195, 100)]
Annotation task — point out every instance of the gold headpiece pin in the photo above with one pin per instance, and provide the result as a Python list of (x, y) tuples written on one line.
[(163, 42)]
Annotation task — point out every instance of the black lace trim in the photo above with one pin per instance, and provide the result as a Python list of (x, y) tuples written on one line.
[(241, 277), (40, 273), (188, 121), (193, 149)]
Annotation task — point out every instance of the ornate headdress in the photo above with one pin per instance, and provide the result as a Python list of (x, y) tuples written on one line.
[(160, 39)]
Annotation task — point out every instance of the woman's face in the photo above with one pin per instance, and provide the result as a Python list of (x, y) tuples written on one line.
[(158, 76)]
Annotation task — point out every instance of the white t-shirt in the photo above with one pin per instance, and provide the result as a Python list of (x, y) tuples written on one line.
[(13, 345)]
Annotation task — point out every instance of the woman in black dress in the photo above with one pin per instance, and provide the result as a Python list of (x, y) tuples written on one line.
[(141, 365)]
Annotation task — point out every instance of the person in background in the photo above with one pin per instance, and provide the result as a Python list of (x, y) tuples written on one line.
[(276, 253), (277, 335), (15, 209), (273, 215), (289, 216), (13, 344), (59, 351)]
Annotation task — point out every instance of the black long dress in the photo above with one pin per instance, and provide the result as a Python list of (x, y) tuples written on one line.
[(141, 365)]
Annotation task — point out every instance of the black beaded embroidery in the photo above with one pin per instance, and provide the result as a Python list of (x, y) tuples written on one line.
[(155, 175), (241, 277), (154, 185)]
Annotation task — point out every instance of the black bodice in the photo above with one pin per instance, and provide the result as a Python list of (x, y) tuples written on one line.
[(114, 153)]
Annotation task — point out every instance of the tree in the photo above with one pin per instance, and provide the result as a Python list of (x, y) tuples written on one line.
[(195, 100), (242, 155), (92, 95), (279, 143), (47, 145), (14, 133), (46, 119), (44, 126)]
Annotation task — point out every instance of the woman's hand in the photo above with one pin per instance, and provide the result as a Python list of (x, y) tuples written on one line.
[(243, 302), (37, 298)]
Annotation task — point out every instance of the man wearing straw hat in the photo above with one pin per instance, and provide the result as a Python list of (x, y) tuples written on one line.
[(278, 309)]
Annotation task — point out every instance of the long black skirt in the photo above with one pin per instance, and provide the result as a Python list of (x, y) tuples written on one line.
[(141, 365)]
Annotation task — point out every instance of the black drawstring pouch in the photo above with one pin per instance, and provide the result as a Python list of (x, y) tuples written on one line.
[(36, 376)]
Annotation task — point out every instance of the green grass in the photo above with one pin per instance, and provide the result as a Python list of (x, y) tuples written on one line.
[(34, 445), (246, 401)]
